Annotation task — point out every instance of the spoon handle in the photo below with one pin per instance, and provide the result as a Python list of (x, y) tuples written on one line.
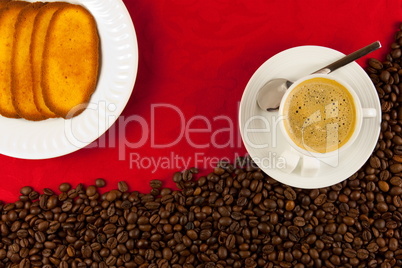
[(349, 58)]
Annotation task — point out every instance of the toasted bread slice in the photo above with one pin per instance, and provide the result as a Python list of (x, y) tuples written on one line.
[(8, 17), (41, 25), (70, 61), (21, 71)]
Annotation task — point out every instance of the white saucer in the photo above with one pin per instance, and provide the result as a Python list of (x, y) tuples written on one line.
[(260, 131), (119, 55)]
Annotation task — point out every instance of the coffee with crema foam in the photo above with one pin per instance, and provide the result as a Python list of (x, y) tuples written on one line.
[(320, 115)]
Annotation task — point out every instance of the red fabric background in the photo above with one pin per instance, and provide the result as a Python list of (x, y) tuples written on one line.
[(197, 57)]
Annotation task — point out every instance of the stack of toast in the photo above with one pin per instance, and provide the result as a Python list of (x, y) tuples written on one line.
[(49, 59)]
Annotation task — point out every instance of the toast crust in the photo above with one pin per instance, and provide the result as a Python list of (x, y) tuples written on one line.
[(8, 18), (3, 3)]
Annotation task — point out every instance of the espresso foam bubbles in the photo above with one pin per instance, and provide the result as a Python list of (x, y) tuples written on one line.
[(320, 115)]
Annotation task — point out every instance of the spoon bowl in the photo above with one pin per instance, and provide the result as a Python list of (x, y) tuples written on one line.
[(270, 95)]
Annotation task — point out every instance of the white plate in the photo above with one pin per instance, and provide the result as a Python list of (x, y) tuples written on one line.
[(119, 61), (262, 136)]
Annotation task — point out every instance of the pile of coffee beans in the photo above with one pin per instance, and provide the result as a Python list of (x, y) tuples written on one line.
[(235, 216)]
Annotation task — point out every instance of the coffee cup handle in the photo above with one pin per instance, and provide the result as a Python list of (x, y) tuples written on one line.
[(369, 112)]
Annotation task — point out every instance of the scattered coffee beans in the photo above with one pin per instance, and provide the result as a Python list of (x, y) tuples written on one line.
[(235, 216), (100, 183)]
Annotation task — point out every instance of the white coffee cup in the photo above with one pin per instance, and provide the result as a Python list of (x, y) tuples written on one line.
[(310, 159)]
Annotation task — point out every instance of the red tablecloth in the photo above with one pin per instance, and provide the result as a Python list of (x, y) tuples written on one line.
[(195, 59)]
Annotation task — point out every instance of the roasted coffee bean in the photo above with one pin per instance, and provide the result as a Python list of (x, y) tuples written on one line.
[(167, 199), (177, 177), (290, 194), (320, 200), (376, 64), (100, 183), (396, 53), (375, 162), (230, 241), (111, 196), (299, 221), (225, 221), (67, 206), (152, 205), (111, 242), (91, 190), (72, 194), (384, 186), (156, 184), (372, 247), (397, 201), (362, 254), (40, 237), (349, 252), (15, 226), (48, 191), (385, 175), (64, 187), (109, 228), (154, 220), (111, 261), (396, 181), (63, 196), (398, 149), (26, 190), (385, 76), (33, 195), (396, 168), (52, 202), (25, 263), (123, 187)]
